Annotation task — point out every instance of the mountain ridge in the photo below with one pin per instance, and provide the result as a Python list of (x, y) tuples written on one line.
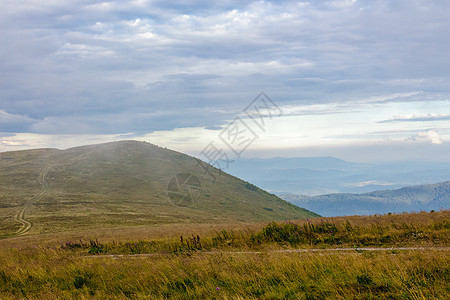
[(124, 183), (413, 198)]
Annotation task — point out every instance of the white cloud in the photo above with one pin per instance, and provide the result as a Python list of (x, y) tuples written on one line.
[(418, 118), (429, 135), (369, 182)]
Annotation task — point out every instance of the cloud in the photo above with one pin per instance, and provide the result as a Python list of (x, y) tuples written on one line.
[(418, 118), (14, 122), (429, 135), (103, 68), (214, 128), (370, 182)]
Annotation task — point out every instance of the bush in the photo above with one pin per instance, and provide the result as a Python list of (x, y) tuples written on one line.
[(294, 234), (96, 247)]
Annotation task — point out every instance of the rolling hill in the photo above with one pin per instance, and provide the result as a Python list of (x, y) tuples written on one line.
[(124, 183), (414, 198)]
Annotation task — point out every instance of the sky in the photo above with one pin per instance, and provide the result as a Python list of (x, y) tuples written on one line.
[(360, 80)]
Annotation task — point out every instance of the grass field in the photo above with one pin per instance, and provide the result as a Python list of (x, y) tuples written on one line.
[(241, 261)]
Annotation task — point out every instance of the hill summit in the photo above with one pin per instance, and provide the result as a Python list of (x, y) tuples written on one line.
[(124, 183)]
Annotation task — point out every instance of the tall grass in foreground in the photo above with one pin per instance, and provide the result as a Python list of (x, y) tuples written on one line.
[(235, 263), (47, 274)]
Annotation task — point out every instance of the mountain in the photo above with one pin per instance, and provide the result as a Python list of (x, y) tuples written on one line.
[(124, 183), (325, 175), (414, 198)]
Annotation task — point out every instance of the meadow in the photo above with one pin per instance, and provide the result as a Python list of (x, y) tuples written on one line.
[(285, 260)]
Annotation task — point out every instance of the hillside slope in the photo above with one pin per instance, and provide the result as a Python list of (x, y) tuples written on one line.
[(124, 183), (414, 198)]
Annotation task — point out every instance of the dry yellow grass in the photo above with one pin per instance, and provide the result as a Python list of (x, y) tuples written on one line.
[(37, 267), (53, 274)]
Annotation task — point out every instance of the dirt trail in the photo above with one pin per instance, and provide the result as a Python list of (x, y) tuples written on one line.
[(20, 216), (317, 250), (45, 187)]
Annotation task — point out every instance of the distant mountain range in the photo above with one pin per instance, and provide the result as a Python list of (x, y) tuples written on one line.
[(325, 175), (415, 198)]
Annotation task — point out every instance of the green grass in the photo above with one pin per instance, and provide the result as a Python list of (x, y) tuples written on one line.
[(406, 275), (235, 261)]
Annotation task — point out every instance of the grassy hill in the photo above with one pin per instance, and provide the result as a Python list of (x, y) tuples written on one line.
[(414, 198), (124, 183)]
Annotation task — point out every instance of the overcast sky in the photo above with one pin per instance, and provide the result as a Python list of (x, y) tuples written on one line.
[(359, 80)]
